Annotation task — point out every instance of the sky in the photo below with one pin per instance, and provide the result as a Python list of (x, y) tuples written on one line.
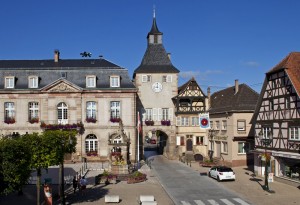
[(214, 41)]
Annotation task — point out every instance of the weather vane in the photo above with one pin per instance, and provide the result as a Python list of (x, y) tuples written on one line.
[(85, 54)]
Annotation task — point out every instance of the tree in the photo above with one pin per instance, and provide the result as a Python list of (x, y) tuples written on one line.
[(14, 168)]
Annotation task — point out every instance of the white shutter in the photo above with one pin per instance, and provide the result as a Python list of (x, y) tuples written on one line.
[(194, 140), (143, 117), (205, 140), (171, 114), (159, 114), (177, 140), (169, 78), (187, 121), (178, 121), (144, 78), (154, 114)]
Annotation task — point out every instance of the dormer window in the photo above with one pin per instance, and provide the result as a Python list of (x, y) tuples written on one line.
[(114, 81), (33, 82), (10, 82), (91, 81)]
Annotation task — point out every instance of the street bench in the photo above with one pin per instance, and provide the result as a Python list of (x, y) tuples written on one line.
[(147, 200), (112, 199)]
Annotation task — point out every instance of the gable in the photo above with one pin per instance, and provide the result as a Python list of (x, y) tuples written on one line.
[(61, 85)]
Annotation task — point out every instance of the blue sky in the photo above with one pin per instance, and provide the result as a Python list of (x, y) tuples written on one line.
[(215, 41)]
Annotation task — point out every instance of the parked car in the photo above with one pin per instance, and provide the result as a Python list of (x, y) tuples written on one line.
[(221, 173), (153, 141)]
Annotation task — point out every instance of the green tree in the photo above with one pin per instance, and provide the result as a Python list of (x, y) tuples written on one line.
[(14, 168)]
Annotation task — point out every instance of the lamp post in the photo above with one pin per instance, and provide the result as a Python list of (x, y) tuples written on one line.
[(265, 138)]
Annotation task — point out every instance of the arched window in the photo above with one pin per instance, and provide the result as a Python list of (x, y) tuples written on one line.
[(62, 113), (91, 143)]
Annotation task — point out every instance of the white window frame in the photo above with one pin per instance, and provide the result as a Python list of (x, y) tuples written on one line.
[(224, 147), (10, 82), (91, 109), (167, 78), (211, 124), (200, 139), (115, 109), (266, 132), (148, 114), (165, 114), (241, 128), (294, 133), (33, 110), (243, 151), (217, 125), (33, 82), (146, 78), (195, 121), (90, 81), (114, 81), (9, 110), (91, 143), (62, 113), (224, 124), (184, 121)]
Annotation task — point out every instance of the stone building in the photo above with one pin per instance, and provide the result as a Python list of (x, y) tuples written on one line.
[(35, 94)]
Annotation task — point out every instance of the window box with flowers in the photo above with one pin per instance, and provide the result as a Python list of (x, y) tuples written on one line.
[(34, 120), (10, 120), (75, 126), (165, 122), (115, 120), (149, 122), (91, 120), (92, 153)]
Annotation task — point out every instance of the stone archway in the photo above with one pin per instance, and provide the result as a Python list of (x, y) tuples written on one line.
[(162, 139)]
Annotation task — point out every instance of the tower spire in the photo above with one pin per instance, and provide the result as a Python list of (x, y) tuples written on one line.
[(153, 11)]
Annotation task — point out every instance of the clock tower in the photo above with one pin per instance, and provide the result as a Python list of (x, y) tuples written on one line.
[(157, 81)]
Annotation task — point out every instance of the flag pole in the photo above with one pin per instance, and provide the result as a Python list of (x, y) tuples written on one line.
[(138, 139)]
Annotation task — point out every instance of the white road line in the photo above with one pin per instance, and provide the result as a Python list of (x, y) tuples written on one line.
[(213, 202), (227, 202), (240, 201), (185, 203), (199, 202)]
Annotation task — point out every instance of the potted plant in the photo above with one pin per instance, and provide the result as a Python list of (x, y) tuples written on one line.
[(10, 120), (92, 153), (91, 120), (165, 122), (34, 120), (149, 122), (136, 177), (115, 120)]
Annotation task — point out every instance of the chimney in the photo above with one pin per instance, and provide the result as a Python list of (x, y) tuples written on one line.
[(56, 55), (236, 89), (208, 96), (169, 56)]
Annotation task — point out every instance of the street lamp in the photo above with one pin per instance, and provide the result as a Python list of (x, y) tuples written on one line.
[(266, 138)]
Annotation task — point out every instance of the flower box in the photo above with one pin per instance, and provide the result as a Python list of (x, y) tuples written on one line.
[(115, 120), (92, 153), (115, 154), (136, 177), (10, 120), (33, 120), (75, 126), (149, 122), (165, 122), (91, 120)]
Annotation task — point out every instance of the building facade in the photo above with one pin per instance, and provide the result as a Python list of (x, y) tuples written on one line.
[(277, 122), (40, 94), (157, 82), (231, 136)]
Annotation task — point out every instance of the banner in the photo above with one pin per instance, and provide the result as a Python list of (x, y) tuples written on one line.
[(204, 121)]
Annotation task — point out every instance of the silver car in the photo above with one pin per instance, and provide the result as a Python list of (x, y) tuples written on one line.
[(221, 173)]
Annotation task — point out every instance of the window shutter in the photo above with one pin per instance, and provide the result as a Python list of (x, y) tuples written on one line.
[(154, 114), (171, 114), (169, 78), (206, 140), (159, 114), (144, 78), (143, 117), (178, 121), (178, 140), (194, 140)]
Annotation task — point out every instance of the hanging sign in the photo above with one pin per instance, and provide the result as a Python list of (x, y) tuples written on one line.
[(204, 121)]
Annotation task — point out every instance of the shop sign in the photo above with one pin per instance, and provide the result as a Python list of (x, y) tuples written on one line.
[(270, 177), (220, 137)]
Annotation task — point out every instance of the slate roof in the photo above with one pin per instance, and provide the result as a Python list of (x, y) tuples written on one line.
[(76, 71), (226, 100), (291, 65), (154, 28)]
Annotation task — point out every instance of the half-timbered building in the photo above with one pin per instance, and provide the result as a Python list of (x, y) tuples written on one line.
[(277, 120), (189, 103), (231, 137), (41, 94)]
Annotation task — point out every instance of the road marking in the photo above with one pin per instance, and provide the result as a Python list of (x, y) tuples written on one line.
[(240, 201), (213, 202), (185, 203), (199, 202), (227, 202)]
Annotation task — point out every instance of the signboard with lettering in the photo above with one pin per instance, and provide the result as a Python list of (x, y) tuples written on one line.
[(270, 177)]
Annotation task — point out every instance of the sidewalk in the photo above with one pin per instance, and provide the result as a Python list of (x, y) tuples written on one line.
[(250, 187)]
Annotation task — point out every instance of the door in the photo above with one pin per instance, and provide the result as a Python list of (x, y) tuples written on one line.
[(189, 145), (218, 149)]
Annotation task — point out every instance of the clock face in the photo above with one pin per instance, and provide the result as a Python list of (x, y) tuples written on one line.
[(157, 87)]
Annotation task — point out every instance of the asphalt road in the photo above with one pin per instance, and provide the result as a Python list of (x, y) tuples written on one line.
[(186, 186)]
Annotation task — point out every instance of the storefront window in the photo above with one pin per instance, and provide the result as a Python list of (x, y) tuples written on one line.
[(290, 168)]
